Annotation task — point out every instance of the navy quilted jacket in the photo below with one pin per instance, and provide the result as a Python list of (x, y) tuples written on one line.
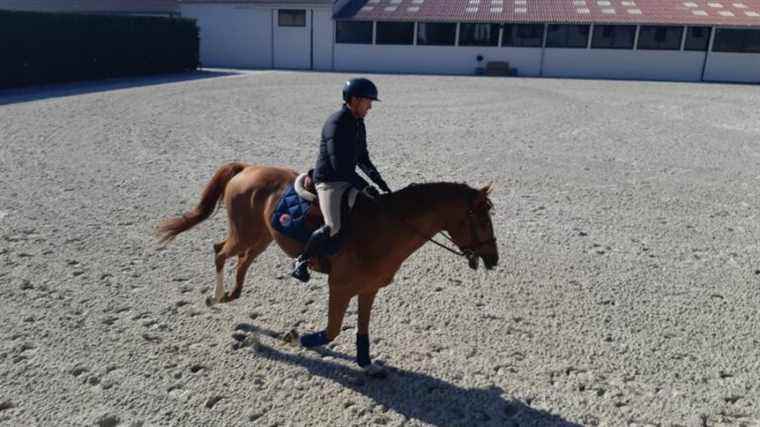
[(343, 148)]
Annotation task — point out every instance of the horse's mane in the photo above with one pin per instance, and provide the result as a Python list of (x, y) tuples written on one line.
[(417, 195), (437, 188)]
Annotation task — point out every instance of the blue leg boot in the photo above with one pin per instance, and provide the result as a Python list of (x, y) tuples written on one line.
[(315, 340), (363, 359)]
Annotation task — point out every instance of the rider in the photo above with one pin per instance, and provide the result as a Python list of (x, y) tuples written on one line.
[(343, 147)]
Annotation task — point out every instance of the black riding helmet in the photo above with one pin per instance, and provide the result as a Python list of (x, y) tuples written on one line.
[(360, 88)]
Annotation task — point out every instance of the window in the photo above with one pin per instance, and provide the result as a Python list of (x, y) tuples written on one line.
[(356, 32), (735, 40), (572, 36), (478, 34), (438, 34), (395, 33), (660, 38), (523, 35), (613, 36), (291, 18), (697, 38)]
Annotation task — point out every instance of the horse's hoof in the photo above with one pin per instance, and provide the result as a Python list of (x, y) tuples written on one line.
[(252, 342), (291, 337), (375, 371), (210, 301)]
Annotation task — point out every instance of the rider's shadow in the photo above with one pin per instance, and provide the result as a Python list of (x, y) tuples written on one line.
[(422, 397)]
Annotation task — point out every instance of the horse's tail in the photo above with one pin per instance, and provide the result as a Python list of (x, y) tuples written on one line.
[(170, 228)]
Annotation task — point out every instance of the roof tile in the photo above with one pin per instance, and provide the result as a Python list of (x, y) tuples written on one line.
[(689, 12)]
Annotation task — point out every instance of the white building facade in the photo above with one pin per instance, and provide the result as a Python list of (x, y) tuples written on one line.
[(264, 34), (695, 40)]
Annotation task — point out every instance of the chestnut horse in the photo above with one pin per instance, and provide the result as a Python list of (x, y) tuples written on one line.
[(383, 233)]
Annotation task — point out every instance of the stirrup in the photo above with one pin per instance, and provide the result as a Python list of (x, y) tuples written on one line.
[(301, 270)]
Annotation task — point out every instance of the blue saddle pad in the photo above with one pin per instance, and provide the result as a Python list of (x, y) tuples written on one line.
[(289, 217)]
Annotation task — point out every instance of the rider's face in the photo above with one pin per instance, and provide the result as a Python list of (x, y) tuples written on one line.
[(360, 106)]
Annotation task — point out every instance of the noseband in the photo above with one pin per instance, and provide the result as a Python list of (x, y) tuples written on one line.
[(469, 250)]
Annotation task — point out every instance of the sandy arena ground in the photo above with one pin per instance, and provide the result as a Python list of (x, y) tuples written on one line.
[(627, 292)]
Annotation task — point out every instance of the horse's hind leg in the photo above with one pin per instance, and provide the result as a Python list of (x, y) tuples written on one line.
[(222, 250), (244, 262), (219, 259)]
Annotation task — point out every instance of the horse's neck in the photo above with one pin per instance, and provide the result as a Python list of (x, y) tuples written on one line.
[(413, 222)]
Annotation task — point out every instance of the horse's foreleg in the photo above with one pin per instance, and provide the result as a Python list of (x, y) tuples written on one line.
[(337, 309), (362, 335)]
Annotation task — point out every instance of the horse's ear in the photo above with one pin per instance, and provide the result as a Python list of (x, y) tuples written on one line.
[(488, 189), (482, 199)]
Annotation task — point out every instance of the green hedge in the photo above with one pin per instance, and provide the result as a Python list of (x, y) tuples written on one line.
[(59, 47)]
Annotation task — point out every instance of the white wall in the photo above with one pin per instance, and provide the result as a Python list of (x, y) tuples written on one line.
[(624, 64), (592, 63), (233, 35), (733, 67), (432, 59)]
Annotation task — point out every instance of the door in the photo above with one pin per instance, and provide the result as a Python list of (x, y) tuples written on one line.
[(292, 42)]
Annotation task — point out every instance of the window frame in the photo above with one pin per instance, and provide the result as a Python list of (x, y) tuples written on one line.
[(516, 27), (677, 45), (290, 12), (601, 28), (421, 25), (378, 40), (743, 48), (707, 40), (492, 43), (566, 45), (357, 23)]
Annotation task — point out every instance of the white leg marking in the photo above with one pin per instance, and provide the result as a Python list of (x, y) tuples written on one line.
[(219, 292)]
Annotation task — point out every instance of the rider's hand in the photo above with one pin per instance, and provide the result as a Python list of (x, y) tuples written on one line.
[(371, 192)]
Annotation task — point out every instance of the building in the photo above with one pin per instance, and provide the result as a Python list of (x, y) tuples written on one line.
[(683, 40), (284, 34), (689, 40)]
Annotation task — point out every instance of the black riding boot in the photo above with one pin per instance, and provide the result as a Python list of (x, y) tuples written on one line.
[(313, 247)]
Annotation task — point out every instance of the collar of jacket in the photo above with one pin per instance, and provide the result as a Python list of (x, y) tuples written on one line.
[(347, 112)]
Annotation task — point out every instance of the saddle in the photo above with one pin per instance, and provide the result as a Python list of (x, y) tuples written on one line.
[(298, 214)]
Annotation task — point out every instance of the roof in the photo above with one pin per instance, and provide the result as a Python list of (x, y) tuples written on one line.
[(683, 12)]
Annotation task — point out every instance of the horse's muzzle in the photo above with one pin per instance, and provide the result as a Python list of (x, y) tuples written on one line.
[(472, 261), (490, 261)]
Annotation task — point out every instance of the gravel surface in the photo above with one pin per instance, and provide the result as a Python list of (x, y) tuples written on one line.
[(627, 292)]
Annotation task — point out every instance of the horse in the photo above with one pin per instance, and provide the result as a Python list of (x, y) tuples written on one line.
[(383, 233)]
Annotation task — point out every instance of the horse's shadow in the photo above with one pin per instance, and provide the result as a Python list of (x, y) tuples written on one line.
[(419, 396)]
